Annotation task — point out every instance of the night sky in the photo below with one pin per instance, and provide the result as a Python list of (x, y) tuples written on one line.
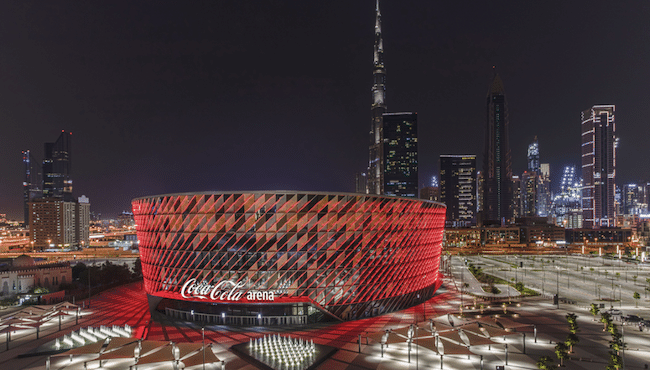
[(168, 97)]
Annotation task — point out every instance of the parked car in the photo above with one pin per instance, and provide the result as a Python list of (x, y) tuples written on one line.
[(614, 312)]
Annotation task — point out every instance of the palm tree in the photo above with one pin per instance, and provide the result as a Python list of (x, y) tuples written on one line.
[(636, 297)]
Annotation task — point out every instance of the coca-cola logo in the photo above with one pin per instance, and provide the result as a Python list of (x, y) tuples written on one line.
[(225, 290)]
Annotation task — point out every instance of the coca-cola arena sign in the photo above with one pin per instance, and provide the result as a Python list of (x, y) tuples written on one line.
[(225, 290)]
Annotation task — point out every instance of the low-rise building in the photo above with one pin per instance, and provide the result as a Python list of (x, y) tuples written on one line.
[(19, 275)]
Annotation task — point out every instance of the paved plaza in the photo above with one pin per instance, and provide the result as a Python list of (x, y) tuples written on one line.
[(127, 305)]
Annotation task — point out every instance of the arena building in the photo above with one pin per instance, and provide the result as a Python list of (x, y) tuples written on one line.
[(286, 257)]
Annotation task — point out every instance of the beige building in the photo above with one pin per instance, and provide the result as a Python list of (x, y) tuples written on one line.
[(20, 274)]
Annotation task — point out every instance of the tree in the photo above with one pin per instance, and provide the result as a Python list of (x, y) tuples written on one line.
[(137, 267), (616, 344), (571, 340), (572, 319), (594, 310), (562, 352), (636, 297), (606, 319), (78, 269), (615, 361), (40, 290), (611, 328), (545, 363)]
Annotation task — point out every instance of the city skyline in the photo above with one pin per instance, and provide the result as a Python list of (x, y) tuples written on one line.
[(275, 95)]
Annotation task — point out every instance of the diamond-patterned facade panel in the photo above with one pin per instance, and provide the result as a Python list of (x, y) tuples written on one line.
[(340, 252)]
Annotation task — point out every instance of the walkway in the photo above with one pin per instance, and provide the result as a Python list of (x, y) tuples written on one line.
[(128, 305)]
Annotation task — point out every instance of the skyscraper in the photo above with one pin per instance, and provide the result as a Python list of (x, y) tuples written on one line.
[(566, 207), (497, 169), (516, 197), (53, 216), (544, 190), (529, 191), (633, 200), (458, 188), (431, 192), (360, 183), (533, 156), (57, 168), (598, 166), (400, 150), (535, 185), (33, 182), (378, 108)]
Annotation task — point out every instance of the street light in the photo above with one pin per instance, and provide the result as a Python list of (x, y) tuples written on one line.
[(88, 285), (557, 284), (203, 339), (462, 284)]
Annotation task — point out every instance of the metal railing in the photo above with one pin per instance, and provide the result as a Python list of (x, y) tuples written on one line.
[(236, 320)]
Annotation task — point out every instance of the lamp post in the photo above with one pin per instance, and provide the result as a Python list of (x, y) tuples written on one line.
[(557, 285), (516, 274), (462, 284), (88, 285), (203, 339), (417, 358)]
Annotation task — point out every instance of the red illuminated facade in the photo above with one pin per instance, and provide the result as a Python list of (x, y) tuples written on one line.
[(259, 257)]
